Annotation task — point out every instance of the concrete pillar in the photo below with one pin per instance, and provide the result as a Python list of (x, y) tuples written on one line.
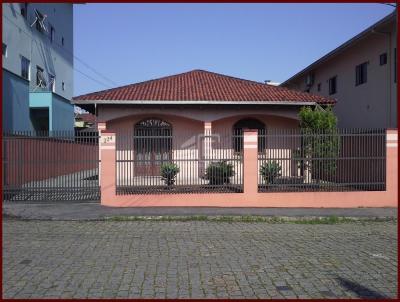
[(207, 144), (250, 162), (100, 127), (108, 169), (392, 162)]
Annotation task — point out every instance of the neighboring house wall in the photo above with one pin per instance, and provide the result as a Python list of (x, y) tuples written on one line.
[(54, 56), (369, 105)]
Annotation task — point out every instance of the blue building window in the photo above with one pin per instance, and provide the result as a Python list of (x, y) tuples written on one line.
[(5, 50), (52, 34), (25, 68), (24, 10)]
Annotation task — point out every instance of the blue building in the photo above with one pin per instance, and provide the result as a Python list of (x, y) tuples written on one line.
[(37, 66)]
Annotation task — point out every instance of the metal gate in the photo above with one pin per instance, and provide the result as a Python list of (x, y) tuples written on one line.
[(153, 146), (51, 166)]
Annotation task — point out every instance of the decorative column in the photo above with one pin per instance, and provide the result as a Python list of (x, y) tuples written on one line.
[(250, 162), (392, 163), (100, 127), (107, 170), (207, 144)]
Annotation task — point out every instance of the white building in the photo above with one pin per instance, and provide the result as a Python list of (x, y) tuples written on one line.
[(37, 66)]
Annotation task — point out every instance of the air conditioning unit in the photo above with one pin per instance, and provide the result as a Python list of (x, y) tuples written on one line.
[(310, 79)]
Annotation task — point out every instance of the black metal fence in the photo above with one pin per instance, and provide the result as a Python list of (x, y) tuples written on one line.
[(51, 166), (64, 166), (179, 161), (335, 160)]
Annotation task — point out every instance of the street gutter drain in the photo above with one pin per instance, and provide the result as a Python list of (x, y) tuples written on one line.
[(283, 288)]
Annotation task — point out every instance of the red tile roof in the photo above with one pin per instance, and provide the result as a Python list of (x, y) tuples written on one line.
[(200, 85), (86, 117)]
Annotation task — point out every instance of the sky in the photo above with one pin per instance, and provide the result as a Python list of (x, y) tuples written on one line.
[(120, 44)]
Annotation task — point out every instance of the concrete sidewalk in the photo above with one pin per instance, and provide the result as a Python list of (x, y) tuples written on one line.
[(94, 211)]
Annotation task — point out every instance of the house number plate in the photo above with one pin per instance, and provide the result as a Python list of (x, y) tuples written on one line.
[(109, 139)]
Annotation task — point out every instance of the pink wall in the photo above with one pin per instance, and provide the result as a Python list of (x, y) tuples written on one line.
[(250, 197), (209, 113), (182, 125), (39, 159)]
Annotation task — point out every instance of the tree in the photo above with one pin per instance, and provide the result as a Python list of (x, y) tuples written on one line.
[(320, 142)]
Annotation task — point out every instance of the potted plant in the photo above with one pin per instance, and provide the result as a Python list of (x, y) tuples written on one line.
[(218, 173), (168, 173), (270, 170)]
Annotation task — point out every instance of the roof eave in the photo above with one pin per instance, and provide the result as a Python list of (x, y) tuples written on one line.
[(145, 102)]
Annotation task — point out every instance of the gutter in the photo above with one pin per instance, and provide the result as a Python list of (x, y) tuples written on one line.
[(162, 102)]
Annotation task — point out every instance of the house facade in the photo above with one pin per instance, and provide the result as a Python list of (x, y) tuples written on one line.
[(170, 141), (361, 74), (37, 66), (190, 117)]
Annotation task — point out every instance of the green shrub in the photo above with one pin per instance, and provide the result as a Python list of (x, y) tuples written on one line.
[(169, 172), (321, 141), (270, 170), (218, 173)]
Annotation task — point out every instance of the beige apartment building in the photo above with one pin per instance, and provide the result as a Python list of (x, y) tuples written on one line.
[(361, 75)]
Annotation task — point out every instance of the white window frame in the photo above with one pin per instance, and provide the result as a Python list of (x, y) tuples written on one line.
[(24, 59), (362, 77), (52, 83), (39, 21), (332, 80), (40, 85)]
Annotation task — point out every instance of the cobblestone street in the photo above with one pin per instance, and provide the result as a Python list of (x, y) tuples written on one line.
[(198, 259)]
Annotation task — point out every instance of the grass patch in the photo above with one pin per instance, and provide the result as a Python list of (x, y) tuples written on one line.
[(253, 219)]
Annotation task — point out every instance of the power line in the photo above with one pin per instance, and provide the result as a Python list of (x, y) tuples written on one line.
[(89, 77), (99, 74), (80, 60)]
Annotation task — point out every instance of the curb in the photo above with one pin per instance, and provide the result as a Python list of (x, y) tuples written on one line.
[(217, 218)]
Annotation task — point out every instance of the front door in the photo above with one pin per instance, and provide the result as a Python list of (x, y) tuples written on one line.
[(153, 146)]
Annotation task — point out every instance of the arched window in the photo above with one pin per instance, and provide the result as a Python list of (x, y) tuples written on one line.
[(248, 123), (152, 145)]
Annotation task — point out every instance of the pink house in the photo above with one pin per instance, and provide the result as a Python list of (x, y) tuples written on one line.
[(196, 120), (192, 103)]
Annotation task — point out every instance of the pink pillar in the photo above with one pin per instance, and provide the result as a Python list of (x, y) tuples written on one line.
[(107, 169), (392, 162), (101, 126), (250, 163), (207, 144)]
